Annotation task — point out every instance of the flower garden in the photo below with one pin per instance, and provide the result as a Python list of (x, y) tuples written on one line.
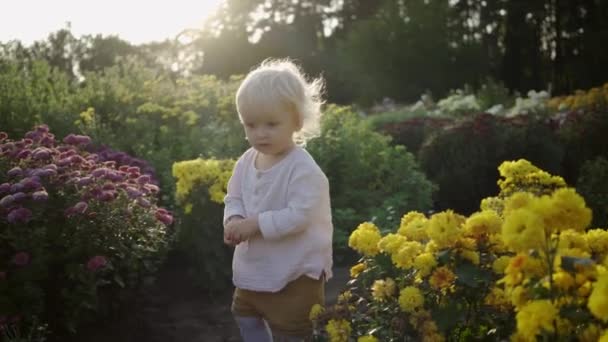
[(481, 216)]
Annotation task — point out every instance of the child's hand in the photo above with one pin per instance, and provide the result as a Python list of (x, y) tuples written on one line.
[(230, 237), (241, 230)]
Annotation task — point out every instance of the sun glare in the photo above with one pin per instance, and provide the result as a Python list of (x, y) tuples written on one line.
[(136, 21)]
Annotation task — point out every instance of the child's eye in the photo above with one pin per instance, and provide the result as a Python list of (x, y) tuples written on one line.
[(273, 124), (248, 125)]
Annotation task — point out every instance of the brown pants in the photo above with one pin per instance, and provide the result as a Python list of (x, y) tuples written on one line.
[(287, 311)]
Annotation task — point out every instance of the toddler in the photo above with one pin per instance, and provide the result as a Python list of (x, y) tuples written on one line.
[(277, 208)]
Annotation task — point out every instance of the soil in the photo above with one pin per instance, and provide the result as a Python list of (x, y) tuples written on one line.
[(172, 309)]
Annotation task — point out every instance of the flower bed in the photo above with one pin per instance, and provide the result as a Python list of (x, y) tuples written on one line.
[(524, 267), (76, 229)]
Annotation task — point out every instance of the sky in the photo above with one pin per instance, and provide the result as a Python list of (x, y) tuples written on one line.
[(137, 21)]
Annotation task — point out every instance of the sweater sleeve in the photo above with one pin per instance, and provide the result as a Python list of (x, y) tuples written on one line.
[(304, 193), (233, 201)]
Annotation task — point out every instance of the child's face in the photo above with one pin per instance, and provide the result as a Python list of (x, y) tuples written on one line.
[(269, 132)]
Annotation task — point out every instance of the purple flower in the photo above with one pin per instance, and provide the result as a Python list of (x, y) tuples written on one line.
[(106, 196), (163, 216), (7, 200), (50, 167), (44, 172), (85, 181), (21, 259), (80, 207), (133, 169), (96, 262), (40, 195), (15, 172), (23, 154), (73, 139), (19, 196), (133, 192), (47, 140), (152, 188), (115, 176), (41, 153), (143, 179), (143, 202), (64, 161), (3, 136), (100, 172), (19, 215), (30, 183), (5, 187), (16, 187), (109, 186)]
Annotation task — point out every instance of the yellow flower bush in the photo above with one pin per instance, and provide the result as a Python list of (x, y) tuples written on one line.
[(594, 98), (527, 266), (207, 173)]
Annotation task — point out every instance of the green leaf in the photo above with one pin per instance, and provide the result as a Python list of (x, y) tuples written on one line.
[(470, 275), (118, 279), (443, 256), (447, 317)]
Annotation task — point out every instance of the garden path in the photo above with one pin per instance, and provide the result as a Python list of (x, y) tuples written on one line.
[(174, 310)]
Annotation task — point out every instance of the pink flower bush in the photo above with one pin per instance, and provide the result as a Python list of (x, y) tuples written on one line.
[(63, 201)]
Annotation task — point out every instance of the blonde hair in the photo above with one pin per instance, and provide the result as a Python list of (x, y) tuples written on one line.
[(280, 85)]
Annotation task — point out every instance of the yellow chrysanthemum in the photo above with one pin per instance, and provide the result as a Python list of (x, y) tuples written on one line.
[(518, 200), (404, 257), (315, 311), (499, 265), (563, 280), (338, 330), (357, 269), (492, 203), (518, 296), (390, 243), (383, 289), (567, 210), (444, 228), (442, 279), (365, 239), (367, 338), (410, 299), (414, 228), (425, 263), (597, 240), (535, 317), (411, 216), (482, 223), (598, 300), (523, 230)]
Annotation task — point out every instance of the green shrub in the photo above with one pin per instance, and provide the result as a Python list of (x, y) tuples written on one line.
[(462, 159), (200, 190), (592, 185), (76, 230), (367, 175)]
